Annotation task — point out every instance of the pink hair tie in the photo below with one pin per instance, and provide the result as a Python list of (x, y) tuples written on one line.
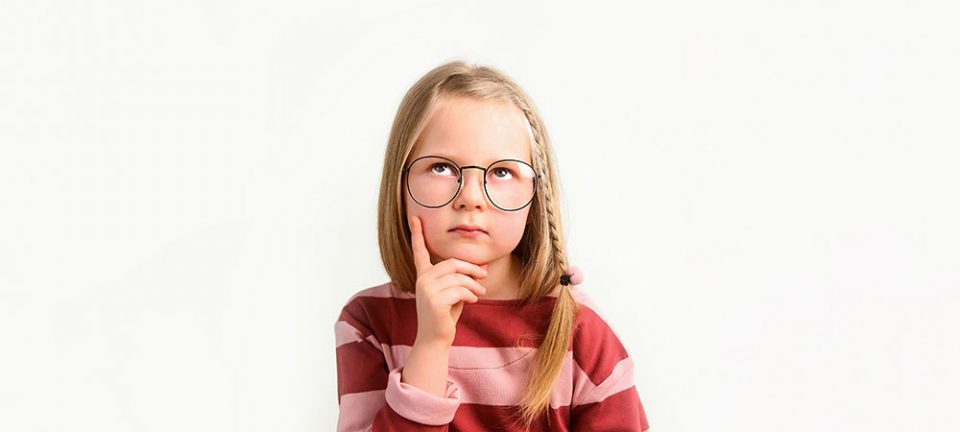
[(575, 277)]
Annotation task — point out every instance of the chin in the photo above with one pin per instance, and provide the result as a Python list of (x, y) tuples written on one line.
[(468, 256)]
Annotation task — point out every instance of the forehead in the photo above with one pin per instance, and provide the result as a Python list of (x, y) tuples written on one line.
[(472, 131)]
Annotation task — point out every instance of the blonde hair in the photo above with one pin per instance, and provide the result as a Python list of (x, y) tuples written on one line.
[(541, 249)]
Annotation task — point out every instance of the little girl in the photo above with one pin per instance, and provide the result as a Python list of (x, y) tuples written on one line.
[(482, 326)]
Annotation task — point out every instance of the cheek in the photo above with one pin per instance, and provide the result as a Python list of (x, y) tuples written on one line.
[(511, 228), (430, 221), (425, 214)]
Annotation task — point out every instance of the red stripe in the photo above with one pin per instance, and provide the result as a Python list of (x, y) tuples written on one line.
[(388, 420), (359, 368), (471, 417), (394, 321), (612, 413), (596, 349)]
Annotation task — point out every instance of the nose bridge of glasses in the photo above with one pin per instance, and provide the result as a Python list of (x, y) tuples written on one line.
[(481, 172)]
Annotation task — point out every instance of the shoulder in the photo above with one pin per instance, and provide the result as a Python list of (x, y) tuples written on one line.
[(590, 319), (372, 307), (387, 290)]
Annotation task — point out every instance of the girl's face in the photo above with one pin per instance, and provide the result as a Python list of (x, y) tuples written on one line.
[(472, 132)]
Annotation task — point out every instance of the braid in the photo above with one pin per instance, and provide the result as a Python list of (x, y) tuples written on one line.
[(552, 351), (550, 210)]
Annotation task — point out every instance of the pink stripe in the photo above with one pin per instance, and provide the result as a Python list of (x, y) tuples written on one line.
[(469, 358), (357, 410), (496, 375), (420, 406), (620, 379), (346, 333), (563, 386)]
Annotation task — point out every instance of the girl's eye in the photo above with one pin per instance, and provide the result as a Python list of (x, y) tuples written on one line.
[(438, 167), (502, 173)]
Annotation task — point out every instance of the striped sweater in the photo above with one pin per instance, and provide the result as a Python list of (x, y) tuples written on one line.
[(489, 362)]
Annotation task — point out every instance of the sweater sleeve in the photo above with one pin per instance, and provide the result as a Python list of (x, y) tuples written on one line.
[(371, 396), (606, 398)]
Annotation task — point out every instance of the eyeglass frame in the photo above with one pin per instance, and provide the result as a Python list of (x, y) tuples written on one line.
[(536, 181)]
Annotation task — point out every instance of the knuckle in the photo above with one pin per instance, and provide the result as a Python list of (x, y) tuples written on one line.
[(468, 280), (459, 263), (469, 283)]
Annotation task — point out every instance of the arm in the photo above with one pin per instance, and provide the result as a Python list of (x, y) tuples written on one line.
[(614, 405), (605, 398), (427, 367), (372, 397)]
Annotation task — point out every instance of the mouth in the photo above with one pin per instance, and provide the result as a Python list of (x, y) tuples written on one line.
[(468, 233), (468, 229)]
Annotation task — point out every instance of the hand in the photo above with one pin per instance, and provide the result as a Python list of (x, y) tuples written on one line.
[(441, 290)]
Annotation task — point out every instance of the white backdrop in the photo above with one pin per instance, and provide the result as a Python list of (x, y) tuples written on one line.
[(762, 196)]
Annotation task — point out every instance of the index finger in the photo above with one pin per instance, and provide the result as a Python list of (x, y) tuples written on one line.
[(421, 256)]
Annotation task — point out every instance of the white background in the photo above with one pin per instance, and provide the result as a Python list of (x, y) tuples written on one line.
[(763, 197)]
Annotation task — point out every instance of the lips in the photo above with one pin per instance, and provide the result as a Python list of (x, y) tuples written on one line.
[(468, 228)]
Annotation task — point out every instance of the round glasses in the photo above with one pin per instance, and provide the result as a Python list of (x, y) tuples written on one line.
[(434, 181)]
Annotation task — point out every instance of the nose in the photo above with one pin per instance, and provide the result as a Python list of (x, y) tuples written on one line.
[(471, 193)]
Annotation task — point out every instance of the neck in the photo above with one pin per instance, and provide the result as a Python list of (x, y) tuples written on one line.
[(503, 279)]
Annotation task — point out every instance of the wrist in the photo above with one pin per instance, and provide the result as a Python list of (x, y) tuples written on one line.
[(432, 345)]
